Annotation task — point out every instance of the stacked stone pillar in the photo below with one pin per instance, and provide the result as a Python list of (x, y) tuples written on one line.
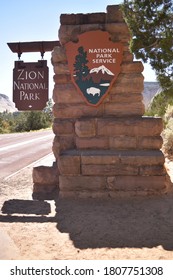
[(112, 149)]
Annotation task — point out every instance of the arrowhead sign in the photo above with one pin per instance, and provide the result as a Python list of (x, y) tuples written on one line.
[(94, 63)]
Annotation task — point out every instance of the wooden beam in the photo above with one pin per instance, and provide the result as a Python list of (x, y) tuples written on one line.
[(37, 46)]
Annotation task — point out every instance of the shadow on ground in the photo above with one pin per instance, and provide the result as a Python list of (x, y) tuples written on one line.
[(29, 211), (139, 222), (21, 206), (91, 223)]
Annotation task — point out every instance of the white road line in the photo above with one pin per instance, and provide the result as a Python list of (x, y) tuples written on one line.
[(23, 143), (33, 163)]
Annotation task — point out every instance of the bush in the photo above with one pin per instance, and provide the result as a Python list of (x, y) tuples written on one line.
[(162, 106), (159, 104), (168, 138), (37, 120), (26, 121), (168, 131), (6, 122), (169, 113)]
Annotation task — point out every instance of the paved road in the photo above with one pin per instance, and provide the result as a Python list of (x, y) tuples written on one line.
[(21, 149)]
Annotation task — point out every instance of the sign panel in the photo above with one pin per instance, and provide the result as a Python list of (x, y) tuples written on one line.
[(94, 63), (30, 85)]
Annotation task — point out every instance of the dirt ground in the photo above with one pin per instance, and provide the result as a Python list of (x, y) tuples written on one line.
[(65, 229)]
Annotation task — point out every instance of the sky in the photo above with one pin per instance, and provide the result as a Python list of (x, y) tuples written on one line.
[(39, 20)]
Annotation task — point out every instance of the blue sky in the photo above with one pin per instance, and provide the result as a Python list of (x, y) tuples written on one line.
[(38, 20)]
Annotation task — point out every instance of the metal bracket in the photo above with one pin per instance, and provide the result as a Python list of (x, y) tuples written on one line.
[(19, 51)]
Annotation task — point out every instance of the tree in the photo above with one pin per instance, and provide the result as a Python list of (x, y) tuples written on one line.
[(80, 65), (159, 104), (27, 120), (151, 26)]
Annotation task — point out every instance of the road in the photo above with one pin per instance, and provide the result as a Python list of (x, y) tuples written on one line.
[(21, 149)]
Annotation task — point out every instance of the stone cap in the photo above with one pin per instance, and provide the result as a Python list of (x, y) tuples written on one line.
[(113, 15)]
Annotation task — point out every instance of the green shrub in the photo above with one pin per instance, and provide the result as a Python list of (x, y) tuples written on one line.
[(168, 138), (6, 122), (37, 120), (162, 106), (26, 121), (168, 131), (169, 113), (159, 104)]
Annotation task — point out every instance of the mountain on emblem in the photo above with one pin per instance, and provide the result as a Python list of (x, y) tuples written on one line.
[(94, 64), (101, 73), (103, 69)]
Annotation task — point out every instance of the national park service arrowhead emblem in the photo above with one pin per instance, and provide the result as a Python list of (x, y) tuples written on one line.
[(94, 63)]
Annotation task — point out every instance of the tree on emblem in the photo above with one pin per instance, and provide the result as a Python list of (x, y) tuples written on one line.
[(81, 69)]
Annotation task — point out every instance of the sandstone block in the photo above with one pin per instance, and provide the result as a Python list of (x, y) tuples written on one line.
[(139, 158), (122, 157), (72, 19), (154, 142), (114, 14), (44, 189), (45, 192), (124, 109), (84, 194), (63, 127), (149, 126), (69, 33), (127, 56), (122, 142), (132, 67), (66, 19), (62, 143), (56, 147), (58, 55), (85, 128), (45, 175), (67, 94), (152, 170), (61, 79), (69, 165), (147, 184), (96, 18), (109, 170), (120, 37), (131, 78), (100, 157), (92, 143), (76, 110), (82, 183), (61, 68), (91, 27), (118, 28), (66, 142), (130, 84), (116, 97), (144, 126)]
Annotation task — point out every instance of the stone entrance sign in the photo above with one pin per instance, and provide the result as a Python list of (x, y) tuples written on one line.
[(110, 148), (94, 62), (30, 85)]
